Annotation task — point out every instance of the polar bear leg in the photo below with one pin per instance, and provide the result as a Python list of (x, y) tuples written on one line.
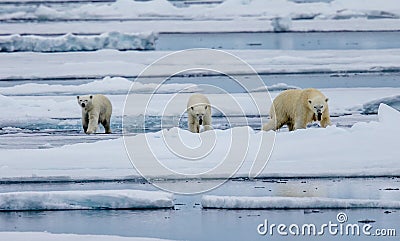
[(106, 123), (273, 125), (300, 124), (207, 123), (192, 126), (326, 121), (85, 121), (269, 126), (290, 126), (93, 123)]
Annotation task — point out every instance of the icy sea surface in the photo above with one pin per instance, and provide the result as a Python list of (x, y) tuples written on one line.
[(188, 221)]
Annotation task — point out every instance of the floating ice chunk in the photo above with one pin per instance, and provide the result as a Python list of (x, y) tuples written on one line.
[(107, 85), (388, 115), (92, 199), (73, 42), (237, 202)]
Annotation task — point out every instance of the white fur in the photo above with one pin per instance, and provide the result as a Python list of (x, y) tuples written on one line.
[(97, 109), (199, 110), (297, 108)]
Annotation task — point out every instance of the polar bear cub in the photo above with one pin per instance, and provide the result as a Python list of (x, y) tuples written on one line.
[(95, 109), (297, 108), (199, 113)]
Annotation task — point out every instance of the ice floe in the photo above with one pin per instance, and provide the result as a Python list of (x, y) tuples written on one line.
[(156, 9), (107, 85), (83, 200), (72, 42), (107, 62), (240, 202), (366, 149)]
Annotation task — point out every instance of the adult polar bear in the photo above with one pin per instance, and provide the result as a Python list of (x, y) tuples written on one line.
[(199, 113), (297, 108), (95, 109)]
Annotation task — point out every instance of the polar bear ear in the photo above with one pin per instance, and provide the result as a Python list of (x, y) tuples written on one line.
[(91, 97), (326, 100), (77, 97), (309, 101)]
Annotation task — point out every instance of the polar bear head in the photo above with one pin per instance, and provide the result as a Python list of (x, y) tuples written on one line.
[(198, 112), (85, 101), (318, 105)]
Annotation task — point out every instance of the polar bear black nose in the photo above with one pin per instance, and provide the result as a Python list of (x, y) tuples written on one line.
[(83, 104)]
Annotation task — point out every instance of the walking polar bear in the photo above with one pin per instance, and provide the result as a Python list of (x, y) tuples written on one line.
[(297, 108), (95, 109), (199, 113)]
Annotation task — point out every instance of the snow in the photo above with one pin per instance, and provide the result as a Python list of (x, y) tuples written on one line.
[(240, 202), (72, 42), (366, 149), (275, 87), (107, 85), (337, 9), (230, 15), (132, 63), (372, 106), (84, 200), (388, 115), (44, 236), (44, 44)]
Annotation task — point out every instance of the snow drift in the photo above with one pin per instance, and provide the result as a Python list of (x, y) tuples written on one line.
[(107, 86), (366, 149), (239, 202), (83, 200), (73, 42), (162, 9), (132, 63)]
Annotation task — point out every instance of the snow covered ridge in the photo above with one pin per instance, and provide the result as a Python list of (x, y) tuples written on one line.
[(42, 236), (72, 42), (107, 86), (131, 63), (84, 200), (238, 202), (366, 149), (162, 9)]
